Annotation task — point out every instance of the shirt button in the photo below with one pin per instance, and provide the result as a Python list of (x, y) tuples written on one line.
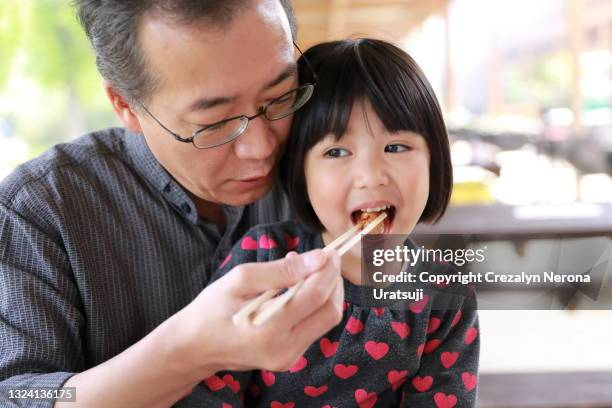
[(186, 208), (167, 188)]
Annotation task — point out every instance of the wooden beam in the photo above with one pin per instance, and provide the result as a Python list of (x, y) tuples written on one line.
[(449, 86), (336, 24), (322, 20), (323, 7), (575, 30)]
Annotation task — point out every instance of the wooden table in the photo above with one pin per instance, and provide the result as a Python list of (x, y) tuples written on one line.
[(520, 224), (551, 390), (517, 223)]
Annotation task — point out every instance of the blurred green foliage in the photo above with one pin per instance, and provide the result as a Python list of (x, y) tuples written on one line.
[(542, 79), (11, 16), (50, 90)]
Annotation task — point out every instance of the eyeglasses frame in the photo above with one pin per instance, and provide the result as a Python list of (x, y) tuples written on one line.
[(260, 111)]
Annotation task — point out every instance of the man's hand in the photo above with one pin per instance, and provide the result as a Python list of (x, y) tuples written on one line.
[(202, 339), (212, 342)]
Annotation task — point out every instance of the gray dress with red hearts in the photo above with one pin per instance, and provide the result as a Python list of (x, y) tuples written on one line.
[(413, 356)]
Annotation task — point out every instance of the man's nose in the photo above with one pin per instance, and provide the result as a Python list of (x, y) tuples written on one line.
[(370, 172), (258, 141)]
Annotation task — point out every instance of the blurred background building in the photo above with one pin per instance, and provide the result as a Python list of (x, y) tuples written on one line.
[(526, 87)]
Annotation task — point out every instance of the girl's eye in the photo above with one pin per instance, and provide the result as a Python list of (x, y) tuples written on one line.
[(396, 148), (337, 152)]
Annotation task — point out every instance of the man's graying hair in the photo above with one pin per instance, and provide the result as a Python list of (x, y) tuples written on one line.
[(112, 28)]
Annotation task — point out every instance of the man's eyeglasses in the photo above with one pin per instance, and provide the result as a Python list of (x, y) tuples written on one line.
[(222, 132)]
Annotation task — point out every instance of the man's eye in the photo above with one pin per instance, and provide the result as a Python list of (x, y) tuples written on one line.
[(337, 152), (283, 99), (217, 126), (214, 127), (396, 148)]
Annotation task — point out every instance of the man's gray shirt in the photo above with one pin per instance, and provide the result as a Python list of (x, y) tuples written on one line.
[(98, 246)]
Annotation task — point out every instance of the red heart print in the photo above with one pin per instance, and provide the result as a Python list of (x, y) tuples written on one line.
[(225, 261), (397, 378), (248, 244), (276, 404), (267, 243), (345, 371), (402, 329), (431, 346), (231, 383), (314, 391), (445, 401), (470, 335), (448, 358), (456, 319), (378, 311), (419, 306), (226, 405), (268, 377), (214, 383), (422, 384), (328, 348), (298, 365), (354, 325), (365, 399), (291, 242), (420, 350), (376, 350), (469, 380), (434, 324)]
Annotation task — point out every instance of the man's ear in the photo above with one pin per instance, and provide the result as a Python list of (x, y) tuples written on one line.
[(122, 109)]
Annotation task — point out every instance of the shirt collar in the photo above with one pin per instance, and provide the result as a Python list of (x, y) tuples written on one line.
[(148, 167), (144, 162)]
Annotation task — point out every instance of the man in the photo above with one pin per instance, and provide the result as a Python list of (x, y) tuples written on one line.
[(107, 243)]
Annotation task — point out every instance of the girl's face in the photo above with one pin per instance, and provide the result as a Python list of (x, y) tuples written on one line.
[(368, 168)]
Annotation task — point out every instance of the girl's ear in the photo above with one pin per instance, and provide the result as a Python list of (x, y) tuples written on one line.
[(122, 109)]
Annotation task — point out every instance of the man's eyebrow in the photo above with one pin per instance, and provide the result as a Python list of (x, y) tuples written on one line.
[(289, 71), (207, 103)]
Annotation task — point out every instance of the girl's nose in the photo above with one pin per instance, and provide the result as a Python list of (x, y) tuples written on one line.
[(370, 172)]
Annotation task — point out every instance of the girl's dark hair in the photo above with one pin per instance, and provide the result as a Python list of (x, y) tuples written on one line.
[(396, 88)]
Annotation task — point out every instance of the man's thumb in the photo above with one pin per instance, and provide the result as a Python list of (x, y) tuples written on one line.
[(283, 273)]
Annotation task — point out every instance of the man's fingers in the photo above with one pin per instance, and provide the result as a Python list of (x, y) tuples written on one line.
[(253, 278), (314, 293), (323, 319)]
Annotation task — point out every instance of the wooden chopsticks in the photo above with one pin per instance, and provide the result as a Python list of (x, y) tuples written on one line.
[(344, 242)]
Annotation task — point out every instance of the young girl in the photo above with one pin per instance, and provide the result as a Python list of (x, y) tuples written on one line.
[(371, 139)]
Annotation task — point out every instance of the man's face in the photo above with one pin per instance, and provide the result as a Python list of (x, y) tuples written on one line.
[(209, 74)]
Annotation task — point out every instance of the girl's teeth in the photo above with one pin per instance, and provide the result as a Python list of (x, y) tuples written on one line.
[(375, 209)]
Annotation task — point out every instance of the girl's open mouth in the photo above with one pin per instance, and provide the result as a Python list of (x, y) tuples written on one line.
[(366, 215)]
